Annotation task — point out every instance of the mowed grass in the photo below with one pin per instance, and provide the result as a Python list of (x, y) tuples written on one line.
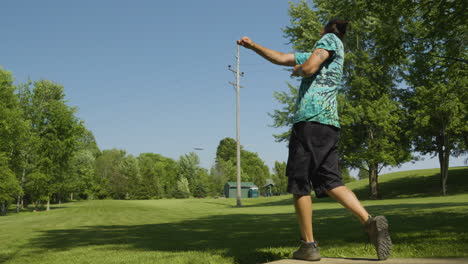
[(264, 229)]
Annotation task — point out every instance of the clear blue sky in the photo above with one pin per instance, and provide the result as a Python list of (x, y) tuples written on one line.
[(151, 76)]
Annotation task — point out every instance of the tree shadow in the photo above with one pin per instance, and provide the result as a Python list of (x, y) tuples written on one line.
[(248, 237)]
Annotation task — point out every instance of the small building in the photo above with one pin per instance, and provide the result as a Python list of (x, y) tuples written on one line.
[(268, 188), (248, 190)]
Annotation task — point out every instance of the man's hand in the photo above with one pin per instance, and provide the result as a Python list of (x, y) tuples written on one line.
[(298, 71), (246, 42)]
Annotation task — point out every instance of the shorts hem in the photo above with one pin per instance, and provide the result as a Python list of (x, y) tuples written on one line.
[(322, 192)]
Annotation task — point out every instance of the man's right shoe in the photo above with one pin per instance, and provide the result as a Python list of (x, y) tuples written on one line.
[(377, 229), (307, 251)]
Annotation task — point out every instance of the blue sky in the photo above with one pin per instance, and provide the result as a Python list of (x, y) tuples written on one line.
[(151, 76)]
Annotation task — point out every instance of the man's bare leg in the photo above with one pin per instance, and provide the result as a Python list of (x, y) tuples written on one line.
[(376, 227), (303, 205), (348, 199)]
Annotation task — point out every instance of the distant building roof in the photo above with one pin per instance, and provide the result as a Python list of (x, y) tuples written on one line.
[(269, 182), (243, 184)]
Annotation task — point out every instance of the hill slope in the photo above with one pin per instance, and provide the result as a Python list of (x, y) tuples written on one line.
[(414, 183)]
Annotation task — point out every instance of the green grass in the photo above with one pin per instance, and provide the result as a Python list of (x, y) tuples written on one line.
[(213, 231)]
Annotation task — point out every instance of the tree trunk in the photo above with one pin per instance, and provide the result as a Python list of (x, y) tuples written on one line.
[(48, 204), (444, 158), (3, 208), (18, 203), (373, 181), (71, 196)]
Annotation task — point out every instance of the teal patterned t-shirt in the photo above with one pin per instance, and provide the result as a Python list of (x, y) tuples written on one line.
[(316, 100)]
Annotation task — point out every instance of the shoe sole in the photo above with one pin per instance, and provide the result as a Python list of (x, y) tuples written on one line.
[(384, 242), (308, 259)]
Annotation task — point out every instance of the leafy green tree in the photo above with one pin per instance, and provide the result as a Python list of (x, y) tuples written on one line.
[(284, 116), (222, 172), (227, 149), (9, 186), (252, 167), (56, 129), (346, 176), (130, 168), (363, 174), (182, 189), (189, 164), (38, 188), (279, 177), (437, 74), (13, 132), (112, 181), (159, 176), (81, 178), (202, 184), (82, 174)]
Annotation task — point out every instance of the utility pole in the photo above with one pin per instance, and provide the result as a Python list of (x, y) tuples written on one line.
[(238, 86)]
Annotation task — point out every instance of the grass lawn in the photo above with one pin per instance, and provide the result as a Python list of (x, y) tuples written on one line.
[(423, 224)]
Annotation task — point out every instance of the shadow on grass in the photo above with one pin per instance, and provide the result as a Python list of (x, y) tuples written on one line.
[(249, 238)]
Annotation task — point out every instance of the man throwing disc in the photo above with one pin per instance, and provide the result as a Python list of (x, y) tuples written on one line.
[(313, 146)]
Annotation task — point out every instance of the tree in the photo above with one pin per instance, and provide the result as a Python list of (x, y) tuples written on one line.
[(159, 176), (363, 174), (13, 135), (38, 188), (202, 184), (182, 189), (227, 149), (188, 167), (284, 116), (81, 178), (112, 182), (55, 129), (130, 168), (438, 77), (222, 172), (346, 176), (252, 167), (82, 174), (279, 177), (9, 186)]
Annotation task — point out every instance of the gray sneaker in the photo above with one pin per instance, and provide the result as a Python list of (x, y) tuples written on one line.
[(307, 251), (377, 229)]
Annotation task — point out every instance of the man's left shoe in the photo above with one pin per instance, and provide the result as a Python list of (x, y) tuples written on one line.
[(307, 251), (377, 229)]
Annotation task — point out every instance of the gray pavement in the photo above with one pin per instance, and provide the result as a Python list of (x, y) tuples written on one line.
[(376, 261)]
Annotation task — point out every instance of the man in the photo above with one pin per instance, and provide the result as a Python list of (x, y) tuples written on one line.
[(313, 146)]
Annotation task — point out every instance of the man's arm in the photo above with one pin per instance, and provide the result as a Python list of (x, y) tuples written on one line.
[(312, 65), (273, 56)]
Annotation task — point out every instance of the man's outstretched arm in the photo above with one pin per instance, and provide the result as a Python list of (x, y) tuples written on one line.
[(273, 56)]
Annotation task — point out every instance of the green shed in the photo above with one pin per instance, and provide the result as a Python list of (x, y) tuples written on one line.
[(248, 190)]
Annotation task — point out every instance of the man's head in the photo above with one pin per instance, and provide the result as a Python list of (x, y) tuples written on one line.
[(335, 26)]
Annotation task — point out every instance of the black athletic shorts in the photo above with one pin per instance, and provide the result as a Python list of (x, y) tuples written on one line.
[(313, 159)]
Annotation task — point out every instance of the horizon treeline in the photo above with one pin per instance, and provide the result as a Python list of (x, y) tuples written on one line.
[(47, 155)]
